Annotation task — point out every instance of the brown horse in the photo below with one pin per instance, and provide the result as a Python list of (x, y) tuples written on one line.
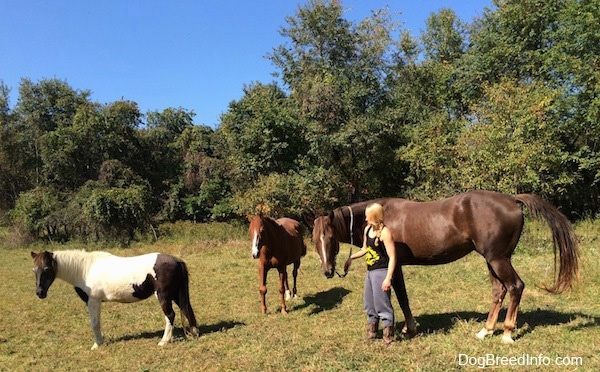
[(443, 231), (276, 243)]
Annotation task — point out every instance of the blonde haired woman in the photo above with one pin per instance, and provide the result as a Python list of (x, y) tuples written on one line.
[(380, 251)]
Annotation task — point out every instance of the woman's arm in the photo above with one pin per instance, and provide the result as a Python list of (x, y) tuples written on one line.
[(390, 248), (357, 254)]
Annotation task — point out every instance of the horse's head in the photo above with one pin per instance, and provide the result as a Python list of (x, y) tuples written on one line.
[(44, 267), (326, 244), (255, 231)]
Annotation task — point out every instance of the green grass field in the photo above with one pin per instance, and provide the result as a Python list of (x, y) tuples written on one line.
[(324, 329)]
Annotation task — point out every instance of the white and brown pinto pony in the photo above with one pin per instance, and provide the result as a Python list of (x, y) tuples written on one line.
[(100, 277), (276, 243)]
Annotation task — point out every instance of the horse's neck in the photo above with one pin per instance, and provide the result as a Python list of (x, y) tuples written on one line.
[(72, 266), (350, 231)]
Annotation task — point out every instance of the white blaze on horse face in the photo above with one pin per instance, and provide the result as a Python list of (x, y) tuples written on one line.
[(255, 248), (323, 253)]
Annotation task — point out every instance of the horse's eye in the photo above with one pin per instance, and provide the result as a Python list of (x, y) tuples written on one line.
[(46, 268)]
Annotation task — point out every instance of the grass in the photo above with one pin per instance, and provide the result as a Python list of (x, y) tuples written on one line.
[(325, 326)]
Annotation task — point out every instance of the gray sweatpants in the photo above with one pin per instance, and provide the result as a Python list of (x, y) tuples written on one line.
[(378, 304)]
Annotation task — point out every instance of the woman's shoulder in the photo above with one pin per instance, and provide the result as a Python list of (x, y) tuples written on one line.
[(385, 232)]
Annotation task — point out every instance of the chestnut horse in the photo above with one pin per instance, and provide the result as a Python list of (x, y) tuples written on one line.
[(100, 276), (439, 232), (276, 243)]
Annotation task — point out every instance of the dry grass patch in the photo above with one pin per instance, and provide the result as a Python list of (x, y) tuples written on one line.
[(324, 329)]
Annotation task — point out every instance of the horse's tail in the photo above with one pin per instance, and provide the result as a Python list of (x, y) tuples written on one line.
[(563, 238), (184, 299), (301, 238)]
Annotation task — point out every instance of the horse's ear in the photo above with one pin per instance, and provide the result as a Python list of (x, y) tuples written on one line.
[(33, 254), (249, 218), (309, 219)]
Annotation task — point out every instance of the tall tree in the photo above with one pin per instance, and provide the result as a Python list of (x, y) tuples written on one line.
[(41, 109), (337, 71)]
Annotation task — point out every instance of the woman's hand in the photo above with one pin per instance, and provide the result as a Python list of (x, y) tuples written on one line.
[(386, 285), (347, 264)]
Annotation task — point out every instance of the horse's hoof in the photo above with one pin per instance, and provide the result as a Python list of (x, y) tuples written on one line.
[(506, 339), (408, 333), (484, 332), (94, 346)]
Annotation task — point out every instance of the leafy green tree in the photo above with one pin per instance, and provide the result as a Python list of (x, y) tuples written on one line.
[(202, 191), (511, 144), (337, 73), (7, 172), (41, 108), (261, 134), (34, 210), (444, 39), (117, 205)]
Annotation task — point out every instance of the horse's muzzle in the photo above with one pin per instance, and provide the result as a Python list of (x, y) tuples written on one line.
[(329, 273), (41, 294)]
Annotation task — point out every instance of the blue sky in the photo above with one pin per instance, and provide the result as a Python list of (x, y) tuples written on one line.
[(197, 55)]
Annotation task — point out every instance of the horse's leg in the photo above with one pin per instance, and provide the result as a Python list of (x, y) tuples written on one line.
[(505, 272), (167, 307), (282, 287), (410, 325), (498, 293), (94, 307), (262, 289), (295, 275)]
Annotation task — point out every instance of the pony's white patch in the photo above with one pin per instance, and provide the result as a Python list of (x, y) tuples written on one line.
[(288, 294), (103, 276), (255, 245)]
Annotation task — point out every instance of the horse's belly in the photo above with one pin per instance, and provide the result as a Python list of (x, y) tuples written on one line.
[(123, 279), (117, 293), (419, 254)]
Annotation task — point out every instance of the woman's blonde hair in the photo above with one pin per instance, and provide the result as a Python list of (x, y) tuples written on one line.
[(374, 213)]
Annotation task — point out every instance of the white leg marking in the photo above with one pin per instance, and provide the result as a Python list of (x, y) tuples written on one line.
[(288, 294), (484, 332), (94, 309), (168, 335), (506, 339)]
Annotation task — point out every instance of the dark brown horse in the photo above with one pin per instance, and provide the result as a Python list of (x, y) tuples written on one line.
[(443, 231), (276, 243)]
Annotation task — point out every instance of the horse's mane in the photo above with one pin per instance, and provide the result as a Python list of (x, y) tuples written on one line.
[(340, 220), (73, 264)]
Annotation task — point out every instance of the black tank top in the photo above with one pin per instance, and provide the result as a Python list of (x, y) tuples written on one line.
[(376, 257)]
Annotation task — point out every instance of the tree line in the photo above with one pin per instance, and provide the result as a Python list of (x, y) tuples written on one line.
[(508, 102)]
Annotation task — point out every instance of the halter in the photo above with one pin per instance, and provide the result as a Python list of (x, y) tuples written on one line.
[(351, 241)]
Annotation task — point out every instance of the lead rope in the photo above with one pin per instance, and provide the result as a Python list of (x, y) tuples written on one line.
[(351, 241)]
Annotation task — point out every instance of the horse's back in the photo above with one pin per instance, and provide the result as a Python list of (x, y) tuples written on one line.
[(447, 229), (294, 236)]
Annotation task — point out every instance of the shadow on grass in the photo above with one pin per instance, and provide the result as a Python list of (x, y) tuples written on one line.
[(323, 301), (178, 332), (526, 321)]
